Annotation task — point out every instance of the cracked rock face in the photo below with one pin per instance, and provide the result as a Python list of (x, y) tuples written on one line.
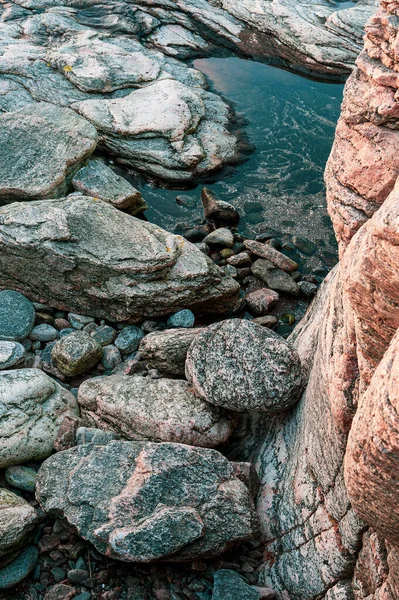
[(142, 502), (242, 366), (51, 144), (124, 268), (32, 407), (159, 410)]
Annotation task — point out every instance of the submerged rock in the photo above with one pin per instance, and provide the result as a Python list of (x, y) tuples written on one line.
[(51, 143), (275, 278), (142, 502), (160, 410), (32, 407), (124, 268), (242, 366), (218, 211)]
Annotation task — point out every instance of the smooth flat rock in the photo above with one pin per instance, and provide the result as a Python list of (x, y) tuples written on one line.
[(11, 354), (32, 407), (19, 568), (51, 143), (17, 316), (159, 410), (76, 353), (166, 350), (142, 502), (98, 180), (278, 259), (242, 366), (125, 269), (22, 478), (17, 522)]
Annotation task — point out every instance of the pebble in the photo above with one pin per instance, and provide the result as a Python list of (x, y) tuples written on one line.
[(203, 247), (267, 321), (11, 354), (90, 327), (277, 259), (304, 245), (61, 323), (184, 318), (220, 237), (91, 435), (129, 339), (261, 301), (58, 574), (240, 260), (45, 318), (77, 576), (44, 333), (66, 331), (275, 279), (151, 325), (111, 357), (76, 354), (83, 596), (253, 207), (307, 289), (79, 321), (104, 335), (195, 235), (22, 478), (217, 210), (17, 316), (187, 201), (19, 568), (226, 253), (230, 270)]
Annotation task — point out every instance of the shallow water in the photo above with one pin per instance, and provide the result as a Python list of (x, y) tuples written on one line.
[(291, 122)]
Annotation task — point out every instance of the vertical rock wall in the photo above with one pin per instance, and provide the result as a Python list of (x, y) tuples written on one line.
[(329, 500)]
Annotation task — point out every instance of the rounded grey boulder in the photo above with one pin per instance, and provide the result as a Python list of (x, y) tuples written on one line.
[(32, 407), (242, 366), (142, 502)]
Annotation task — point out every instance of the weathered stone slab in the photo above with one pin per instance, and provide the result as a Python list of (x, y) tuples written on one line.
[(124, 268), (159, 410), (166, 351), (141, 502)]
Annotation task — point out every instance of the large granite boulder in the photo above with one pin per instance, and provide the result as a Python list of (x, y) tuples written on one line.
[(167, 350), (242, 366), (159, 410), (51, 144), (17, 522), (96, 260), (32, 407), (141, 502)]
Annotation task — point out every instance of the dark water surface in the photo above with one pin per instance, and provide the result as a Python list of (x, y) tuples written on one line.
[(291, 122)]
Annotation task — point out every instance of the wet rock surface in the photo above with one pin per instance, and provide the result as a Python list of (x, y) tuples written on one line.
[(161, 410), (187, 505)]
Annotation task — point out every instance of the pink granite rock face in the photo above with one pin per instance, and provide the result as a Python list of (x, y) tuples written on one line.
[(329, 469)]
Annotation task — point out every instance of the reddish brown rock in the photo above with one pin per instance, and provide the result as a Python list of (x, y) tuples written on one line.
[(261, 301), (277, 259)]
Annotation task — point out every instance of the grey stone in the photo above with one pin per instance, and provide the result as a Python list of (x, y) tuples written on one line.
[(167, 350), (43, 170), (17, 316), (228, 585), (111, 357), (77, 576), (242, 366), (79, 321), (183, 318), (76, 354), (220, 237), (140, 502), (11, 354), (129, 339), (22, 478), (98, 180), (43, 333), (19, 568), (161, 410), (124, 268), (32, 407), (17, 522), (307, 288), (275, 279), (92, 435), (104, 335)]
